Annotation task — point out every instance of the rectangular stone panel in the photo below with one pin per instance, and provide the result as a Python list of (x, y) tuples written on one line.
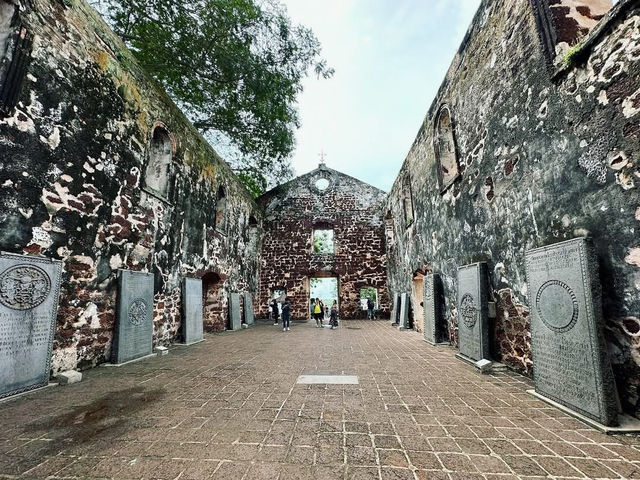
[(394, 307), (134, 326), (235, 316), (192, 316), (29, 289), (248, 309), (472, 311), (570, 362), (432, 306), (404, 311)]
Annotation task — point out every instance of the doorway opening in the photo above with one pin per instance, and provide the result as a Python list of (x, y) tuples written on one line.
[(417, 294), (366, 294), (324, 288), (213, 314)]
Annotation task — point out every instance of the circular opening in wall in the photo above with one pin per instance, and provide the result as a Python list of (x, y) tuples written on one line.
[(322, 184)]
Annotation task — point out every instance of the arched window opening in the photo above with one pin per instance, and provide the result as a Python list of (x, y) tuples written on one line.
[(160, 155), (323, 240), (407, 201), (221, 210), (15, 53), (445, 149), (388, 228)]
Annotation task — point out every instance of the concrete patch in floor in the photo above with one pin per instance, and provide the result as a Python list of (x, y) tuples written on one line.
[(328, 379)]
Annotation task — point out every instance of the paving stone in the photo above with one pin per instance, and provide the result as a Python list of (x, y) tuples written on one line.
[(207, 413)]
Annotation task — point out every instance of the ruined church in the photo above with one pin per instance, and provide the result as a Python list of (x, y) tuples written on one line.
[(510, 237)]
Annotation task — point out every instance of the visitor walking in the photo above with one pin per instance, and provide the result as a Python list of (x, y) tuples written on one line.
[(370, 309), (323, 312), (334, 315), (274, 311), (286, 315), (317, 312)]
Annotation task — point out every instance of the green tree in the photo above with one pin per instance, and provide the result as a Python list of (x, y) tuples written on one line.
[(234, 66)]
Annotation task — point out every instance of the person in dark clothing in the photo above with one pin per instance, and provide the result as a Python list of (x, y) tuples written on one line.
[(334, 315), (370, 309), (274, 311), (286, 315)]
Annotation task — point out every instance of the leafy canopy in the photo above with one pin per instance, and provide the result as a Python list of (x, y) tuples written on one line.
[(234, 66)]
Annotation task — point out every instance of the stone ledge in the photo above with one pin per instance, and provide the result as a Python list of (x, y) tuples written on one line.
[(129, 361), (628, 424), (22, 394), (495, 367)]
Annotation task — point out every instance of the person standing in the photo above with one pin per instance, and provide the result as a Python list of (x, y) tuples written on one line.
[(334, 315), (370, 309), (274, 311), (317, 312), (286, 315)]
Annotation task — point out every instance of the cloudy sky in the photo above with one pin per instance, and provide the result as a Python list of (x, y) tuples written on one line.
[(390, 57)]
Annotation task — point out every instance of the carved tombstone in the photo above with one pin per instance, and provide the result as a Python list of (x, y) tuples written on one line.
[(473, 312), (394, 308), (570, 363), (248, 309), (192, 315), (28, 306), (134, 327), (404, 312), (160, 154), (235, 317), (432, 307)]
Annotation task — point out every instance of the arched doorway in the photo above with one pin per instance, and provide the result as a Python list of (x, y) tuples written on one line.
[(213, 303), (326, 287)]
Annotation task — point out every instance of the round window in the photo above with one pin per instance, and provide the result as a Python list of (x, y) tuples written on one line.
[(322, 184)]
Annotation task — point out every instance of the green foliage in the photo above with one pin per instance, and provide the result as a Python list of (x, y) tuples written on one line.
[(234, 66), (570, 55), (323, 241), (369, 293)]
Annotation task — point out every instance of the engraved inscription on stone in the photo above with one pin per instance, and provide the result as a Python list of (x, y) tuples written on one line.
[(248, 309), (134, 327), (29, 289), (137, 311), (468, 310), (570, 365), (395, 309), (235, 317), (432, 308), (192, 321), (473, 325), (23, 287)]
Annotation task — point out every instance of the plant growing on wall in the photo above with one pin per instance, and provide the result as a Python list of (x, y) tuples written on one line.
[(234, 66)]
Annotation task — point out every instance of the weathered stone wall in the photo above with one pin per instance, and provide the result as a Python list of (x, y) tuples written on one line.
[(540, 160), (354, 210), (74, 157)]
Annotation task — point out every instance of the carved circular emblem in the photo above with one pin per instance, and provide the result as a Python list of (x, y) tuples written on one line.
[(24, 287), (557, 306), (468, 310), (137, 311)]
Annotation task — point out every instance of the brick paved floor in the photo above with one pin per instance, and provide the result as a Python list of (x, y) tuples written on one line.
[(229, 408)]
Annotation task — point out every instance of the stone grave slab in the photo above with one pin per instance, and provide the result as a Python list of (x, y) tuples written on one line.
[(404, 312), (134, 326), (394, 308), (473, 312), (432, 305), (29, 288), (235, 316), (248, 309), (192, 321), (571, 366)]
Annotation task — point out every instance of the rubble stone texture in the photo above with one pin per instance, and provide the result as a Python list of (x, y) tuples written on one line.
[(544, 155), (349, 207)]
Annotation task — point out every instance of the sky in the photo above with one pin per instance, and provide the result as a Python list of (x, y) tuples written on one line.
[(390, 57)]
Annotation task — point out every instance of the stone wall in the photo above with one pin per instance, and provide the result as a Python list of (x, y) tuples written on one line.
[(354, 210), (540, 157), (100, 169)]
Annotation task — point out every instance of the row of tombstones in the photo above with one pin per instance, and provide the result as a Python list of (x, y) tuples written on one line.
[(29, 289), (570, 360)]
